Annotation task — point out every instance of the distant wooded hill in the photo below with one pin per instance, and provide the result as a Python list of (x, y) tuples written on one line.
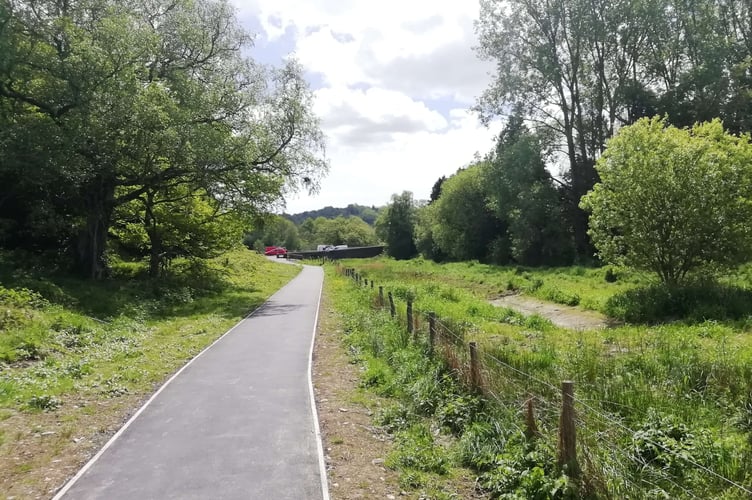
[(368, 214)]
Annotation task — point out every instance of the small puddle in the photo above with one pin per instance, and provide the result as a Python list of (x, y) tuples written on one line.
[(560, 315)]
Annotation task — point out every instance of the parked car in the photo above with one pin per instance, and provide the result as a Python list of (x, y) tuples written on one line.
[(278, 251)]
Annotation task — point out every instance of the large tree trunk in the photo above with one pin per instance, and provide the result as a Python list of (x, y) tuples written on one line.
[(156, 254), (90, 246), (91, 242)]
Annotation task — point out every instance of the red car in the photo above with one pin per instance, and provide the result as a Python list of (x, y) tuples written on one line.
[(278, 251)]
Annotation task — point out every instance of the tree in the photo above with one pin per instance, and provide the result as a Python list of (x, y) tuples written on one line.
[(436, 189), (140, 102), (368, 214), (580, 69), (673, 200), (464, 226), (542, 54), (523, 197), (425, 242), (274, 230), (352, 231), (396, 226)]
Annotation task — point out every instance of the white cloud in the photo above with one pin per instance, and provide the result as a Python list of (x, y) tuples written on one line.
[(358, 116), (371, 173), (394, 76)]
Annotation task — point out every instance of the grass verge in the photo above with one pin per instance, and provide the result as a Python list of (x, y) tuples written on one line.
[(76, 358)]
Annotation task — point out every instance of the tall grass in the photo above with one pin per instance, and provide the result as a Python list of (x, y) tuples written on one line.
[(664, 410)]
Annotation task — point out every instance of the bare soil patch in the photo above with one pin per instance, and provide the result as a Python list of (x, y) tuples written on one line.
[(354, 449), (560, 315), (41, 451)]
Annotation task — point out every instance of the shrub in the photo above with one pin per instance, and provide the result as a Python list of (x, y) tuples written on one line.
[(696, 302)]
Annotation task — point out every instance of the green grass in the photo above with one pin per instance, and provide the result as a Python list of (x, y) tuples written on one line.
[(583, 286), (653, 400), (62, 337)]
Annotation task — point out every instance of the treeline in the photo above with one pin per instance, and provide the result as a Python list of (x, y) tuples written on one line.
[(574, 72), (144, 129), (278, 230), (368, 214), (504, 209)]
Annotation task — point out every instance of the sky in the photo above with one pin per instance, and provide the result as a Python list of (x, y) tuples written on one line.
[(393, 81)]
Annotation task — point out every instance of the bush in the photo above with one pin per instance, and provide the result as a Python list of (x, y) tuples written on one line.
[(695, 303), (21, 297)]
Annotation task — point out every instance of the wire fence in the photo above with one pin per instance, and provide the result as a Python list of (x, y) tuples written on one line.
[(598, 455)]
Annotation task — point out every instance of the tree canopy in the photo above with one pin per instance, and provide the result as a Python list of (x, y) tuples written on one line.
[(396, 226), (673, 200), (463, 226), (118, 114), (578, 70)]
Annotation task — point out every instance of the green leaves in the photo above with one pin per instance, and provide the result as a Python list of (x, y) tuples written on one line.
[(673, 200), (153, 107)]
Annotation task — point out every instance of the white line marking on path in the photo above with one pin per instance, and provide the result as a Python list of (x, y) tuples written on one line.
[(317, 427)]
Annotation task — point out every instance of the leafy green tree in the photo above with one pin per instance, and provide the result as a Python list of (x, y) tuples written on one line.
[(368, 214), (274, 230), (436, 189), (464, 225), (356, 232), (673, 200), (183, 224), (521, 193), (352, 231), (396, 226), (425, 242), (578, 70), (142, 101)]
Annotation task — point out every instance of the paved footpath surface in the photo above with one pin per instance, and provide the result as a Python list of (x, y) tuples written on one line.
[(235, 424)]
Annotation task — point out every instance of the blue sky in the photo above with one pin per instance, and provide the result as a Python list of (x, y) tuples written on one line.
[(392, 83)]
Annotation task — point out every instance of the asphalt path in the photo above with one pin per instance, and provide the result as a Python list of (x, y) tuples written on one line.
[(236, 423)]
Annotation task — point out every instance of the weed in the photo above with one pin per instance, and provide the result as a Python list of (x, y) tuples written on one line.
[(377, 375), (44, 402), (394, 418), (416, 450)]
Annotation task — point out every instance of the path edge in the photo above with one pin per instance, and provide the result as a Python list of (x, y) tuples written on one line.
[(88, 465), (312, 396)]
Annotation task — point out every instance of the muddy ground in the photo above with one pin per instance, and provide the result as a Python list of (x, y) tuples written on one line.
[(569, 317)]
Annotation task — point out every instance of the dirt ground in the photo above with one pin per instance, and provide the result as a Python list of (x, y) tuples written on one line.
[(353, 448), (560, 315), (42, 451)]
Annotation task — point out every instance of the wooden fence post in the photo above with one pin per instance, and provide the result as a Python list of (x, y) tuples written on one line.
[(410, 324), (381, 296), (567, 432), (391, 305), (431, 331), (531, 429), (474, 366)]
